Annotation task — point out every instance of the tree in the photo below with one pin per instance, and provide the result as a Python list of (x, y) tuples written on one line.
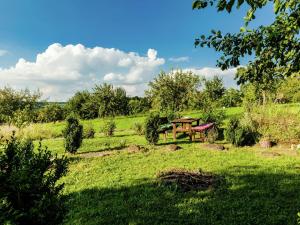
[(289, 89), (214, 88), (82, 104), (73, 134), (29, 192), (276, 47), (110, 101), (151, 128), (173, 91), (51, 113), (138, 105), (232, 98), (265, 88), (12, 100)]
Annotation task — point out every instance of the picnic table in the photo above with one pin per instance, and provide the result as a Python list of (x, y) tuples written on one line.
[(186, 126)]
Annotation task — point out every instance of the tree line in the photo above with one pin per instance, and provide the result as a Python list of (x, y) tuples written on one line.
[(174, 91)]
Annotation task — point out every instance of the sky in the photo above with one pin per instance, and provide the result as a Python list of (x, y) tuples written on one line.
[(63, 46)]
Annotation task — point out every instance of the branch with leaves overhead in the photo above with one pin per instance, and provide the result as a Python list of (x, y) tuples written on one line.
[(276, 47)]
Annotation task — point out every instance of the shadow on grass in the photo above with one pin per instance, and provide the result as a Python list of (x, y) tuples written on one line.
[(269, 199)]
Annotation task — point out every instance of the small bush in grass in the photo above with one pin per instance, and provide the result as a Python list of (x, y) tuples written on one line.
[(212, 135), (73, 134), (213, 115), (151, 128), (240, 135), (89, 132), (29, 193), (138, 128), (108, 128)]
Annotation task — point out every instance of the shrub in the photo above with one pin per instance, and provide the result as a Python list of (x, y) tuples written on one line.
[(213, 115), (88, 132), (240, 135), (22, 118), (72, 134), (29, 193), (108, 127), (51, 113), (138, 128), (212, 135), (151, 128), (280, 124)]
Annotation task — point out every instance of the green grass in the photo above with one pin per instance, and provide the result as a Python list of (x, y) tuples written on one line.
[(122, 188)]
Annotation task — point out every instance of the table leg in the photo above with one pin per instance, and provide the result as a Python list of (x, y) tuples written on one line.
[(174, 131)]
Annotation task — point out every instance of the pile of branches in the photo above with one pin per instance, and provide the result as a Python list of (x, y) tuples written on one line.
[(187, 180)]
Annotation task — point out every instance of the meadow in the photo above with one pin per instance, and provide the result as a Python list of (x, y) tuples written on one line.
[(258, 186)]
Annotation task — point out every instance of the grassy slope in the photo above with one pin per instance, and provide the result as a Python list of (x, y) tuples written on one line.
[(121, 188)]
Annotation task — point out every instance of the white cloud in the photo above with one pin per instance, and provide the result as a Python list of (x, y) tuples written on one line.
[(209, 72), (3, 52), (180, 59), (59, 71)]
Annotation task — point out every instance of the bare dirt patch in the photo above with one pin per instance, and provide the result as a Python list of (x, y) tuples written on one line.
[(188, 180), (214, 147), (136, 149)]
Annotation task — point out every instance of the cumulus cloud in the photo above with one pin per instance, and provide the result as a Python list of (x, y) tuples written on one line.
[(59, 71), (180, 59), (3, 52), (209, 72)]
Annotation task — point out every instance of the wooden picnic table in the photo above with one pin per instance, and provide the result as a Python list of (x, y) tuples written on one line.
[(186, 126)]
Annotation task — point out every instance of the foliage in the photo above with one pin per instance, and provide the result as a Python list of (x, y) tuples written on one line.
[(108, 127), (213, 115), (83, 105), (289, 89), (264, 89), (22, 101), (276, 46), (138, 105), (88, 131), (22, 118), (173, 91), (278, 123), (138, 128), (214, 88), (239, 135), (29, 193), (231, 98), (73, 134), (212, 135), (51, 113), (110, 101), (151, 128)]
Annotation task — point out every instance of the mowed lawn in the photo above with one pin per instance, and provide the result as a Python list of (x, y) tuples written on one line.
[(258, 186)]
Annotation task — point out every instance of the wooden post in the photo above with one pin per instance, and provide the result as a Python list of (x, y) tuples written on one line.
[(174, 131)]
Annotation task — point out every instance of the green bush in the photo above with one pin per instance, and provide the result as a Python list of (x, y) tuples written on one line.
[(108, 127), (138, 128), (23, 117), (89, 132), (213, 115), (51, 113), (212, 135), (73, 134), (151, 128), (240, 135), (29, 193)]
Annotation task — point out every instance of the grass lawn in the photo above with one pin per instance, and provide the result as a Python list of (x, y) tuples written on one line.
[(122, 188)]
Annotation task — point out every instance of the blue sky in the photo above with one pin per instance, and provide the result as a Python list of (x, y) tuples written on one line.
[(168, 27)]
